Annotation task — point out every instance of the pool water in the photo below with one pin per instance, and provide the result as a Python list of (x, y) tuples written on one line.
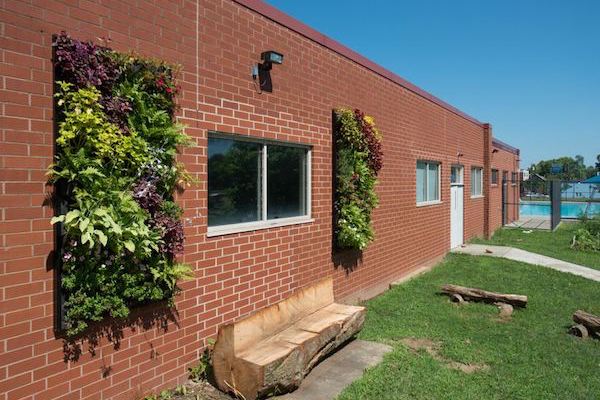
[(567, 209)]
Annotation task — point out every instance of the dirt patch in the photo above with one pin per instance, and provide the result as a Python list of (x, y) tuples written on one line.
[(433, 349), (422, 344), (201, 390)]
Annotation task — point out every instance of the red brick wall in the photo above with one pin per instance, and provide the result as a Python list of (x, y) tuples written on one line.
[(234, 274), (504, 160)]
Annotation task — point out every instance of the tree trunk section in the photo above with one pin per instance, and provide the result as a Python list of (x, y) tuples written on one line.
[(475, 294), (590, 321)]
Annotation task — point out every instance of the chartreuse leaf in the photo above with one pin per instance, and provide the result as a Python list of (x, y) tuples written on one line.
[(84, 224), (71, 215), (129, 245), (101, 237), (85, 238), (100, 212), (57, 219)]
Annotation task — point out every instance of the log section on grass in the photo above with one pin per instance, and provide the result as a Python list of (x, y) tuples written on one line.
[(586, 323), (475, 294)]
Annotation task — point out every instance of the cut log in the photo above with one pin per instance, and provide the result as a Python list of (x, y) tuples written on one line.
[(457, 298), (590, 321), (475, 294), (272, 350), (579, 331)]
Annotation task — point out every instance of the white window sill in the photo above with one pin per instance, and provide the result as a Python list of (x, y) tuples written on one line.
[(429, 203), (257, 225), (479, 196), (494, 185)]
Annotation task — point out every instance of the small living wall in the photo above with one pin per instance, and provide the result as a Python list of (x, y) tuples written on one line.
[(358, 159), (115, 172)]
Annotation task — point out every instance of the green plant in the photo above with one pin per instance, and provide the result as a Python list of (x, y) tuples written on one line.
[(116, 169), (163, 395), (201, 370), (358, 161), (181, 390), (587, 236), (198, 372)]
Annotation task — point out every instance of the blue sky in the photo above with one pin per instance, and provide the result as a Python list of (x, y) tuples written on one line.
[(531, 68)]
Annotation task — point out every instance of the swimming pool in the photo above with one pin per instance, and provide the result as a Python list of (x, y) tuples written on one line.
[(567, 209)]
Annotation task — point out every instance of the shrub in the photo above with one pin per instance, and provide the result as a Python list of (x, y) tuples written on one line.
[(587, 236), (358, 160), (117, 143)]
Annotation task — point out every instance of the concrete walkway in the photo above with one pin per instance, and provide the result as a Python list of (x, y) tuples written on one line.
[(333, 374), (531, 223), (528, 257)]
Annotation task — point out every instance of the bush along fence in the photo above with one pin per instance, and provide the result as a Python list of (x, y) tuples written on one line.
[(115, 175), (358, 159)]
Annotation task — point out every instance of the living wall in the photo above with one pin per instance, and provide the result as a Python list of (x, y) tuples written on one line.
[(116, 172), (358, 160)]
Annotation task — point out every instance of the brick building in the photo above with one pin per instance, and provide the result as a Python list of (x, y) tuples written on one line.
[(239, 269)]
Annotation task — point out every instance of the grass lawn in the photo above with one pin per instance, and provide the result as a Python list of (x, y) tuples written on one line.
[(553, 244), (529, 357)]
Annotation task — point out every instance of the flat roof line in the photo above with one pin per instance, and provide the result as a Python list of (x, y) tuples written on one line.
[(505, 146), (295, 25)]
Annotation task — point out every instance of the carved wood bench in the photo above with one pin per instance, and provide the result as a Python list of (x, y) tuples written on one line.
[(271, 351)]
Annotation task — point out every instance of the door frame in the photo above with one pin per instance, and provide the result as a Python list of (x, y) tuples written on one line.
[(457, 182), (504, 198)]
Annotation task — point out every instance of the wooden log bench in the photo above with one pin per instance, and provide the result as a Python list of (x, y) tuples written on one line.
[(271, 351)]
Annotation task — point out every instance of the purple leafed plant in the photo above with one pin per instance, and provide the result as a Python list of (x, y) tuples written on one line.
[(146, 195), (172, 236), (375, 159), (84, 64), (117, 110)]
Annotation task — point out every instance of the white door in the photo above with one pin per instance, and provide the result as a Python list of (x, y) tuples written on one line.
[(456, 206)]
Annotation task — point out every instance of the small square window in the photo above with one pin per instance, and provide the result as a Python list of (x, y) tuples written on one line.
[(456, 175), (494, 177)]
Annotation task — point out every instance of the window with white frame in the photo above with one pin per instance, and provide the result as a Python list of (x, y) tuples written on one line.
[(255, 183), (456, 175), (494, 177), (476, 182), (428, 182)]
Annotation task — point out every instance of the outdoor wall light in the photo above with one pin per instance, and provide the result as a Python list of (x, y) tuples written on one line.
[(261, 73), (494, 151), (271, 57)]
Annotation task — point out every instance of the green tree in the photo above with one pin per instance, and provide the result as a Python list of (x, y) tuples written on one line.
[(569, 168)]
